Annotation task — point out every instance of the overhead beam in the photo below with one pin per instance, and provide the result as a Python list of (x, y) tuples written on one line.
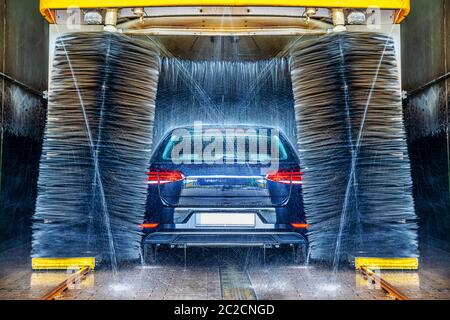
[(47, 7)]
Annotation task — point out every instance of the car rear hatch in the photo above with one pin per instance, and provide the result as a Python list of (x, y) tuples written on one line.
[(253, 170), (224, 186)]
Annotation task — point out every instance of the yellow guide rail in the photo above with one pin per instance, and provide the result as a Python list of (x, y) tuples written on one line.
[(48, 6)]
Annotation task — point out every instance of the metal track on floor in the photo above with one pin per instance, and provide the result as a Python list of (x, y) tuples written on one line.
[(77, 277), (386, 286)]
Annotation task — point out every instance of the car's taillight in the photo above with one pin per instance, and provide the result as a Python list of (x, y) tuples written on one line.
[(164, 176), (149, 225), (299, 225), (285, 176)]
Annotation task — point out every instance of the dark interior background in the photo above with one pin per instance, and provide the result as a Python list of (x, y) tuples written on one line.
[(425, 57), (23, 57)]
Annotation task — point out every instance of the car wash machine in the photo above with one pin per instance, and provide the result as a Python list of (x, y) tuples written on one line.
[(344, 64)]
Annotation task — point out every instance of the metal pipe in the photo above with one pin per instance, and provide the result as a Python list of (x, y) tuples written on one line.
[(234, 21), (446, 99), (338, 17), (232, 32), (428, 84), (23, 86), (63, 286), (232, 26), (111, 18), (2, 102), (386, 286), (311, 24)]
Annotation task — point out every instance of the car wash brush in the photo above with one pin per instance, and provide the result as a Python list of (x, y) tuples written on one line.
[(352, 145), (97, 145)]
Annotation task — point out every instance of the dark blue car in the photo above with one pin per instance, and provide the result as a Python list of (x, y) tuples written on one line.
[(224, 187)]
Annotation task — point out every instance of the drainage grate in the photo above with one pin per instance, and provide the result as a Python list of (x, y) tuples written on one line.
[(235, 284)]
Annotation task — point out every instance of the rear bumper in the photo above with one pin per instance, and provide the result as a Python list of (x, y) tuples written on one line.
[(224, 239)]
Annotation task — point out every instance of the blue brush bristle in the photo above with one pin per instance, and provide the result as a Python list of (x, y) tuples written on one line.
[(98, 138), (352, 144)]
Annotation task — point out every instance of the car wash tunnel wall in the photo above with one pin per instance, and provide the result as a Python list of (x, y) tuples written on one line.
[(225, 80)]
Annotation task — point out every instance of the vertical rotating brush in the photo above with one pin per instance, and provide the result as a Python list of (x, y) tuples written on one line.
[(357, 183), (386, 205), (323, 139), (92, 183)]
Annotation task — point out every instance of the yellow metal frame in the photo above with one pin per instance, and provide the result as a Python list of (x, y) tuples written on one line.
[(387, 263), (62, 263), (48, 6)]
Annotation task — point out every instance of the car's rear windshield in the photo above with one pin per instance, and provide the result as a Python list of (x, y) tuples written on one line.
[(225, 145)]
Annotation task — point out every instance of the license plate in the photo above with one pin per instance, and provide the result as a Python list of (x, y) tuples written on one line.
[(225, 219)]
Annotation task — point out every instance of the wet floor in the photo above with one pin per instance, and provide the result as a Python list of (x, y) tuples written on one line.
[(224, 274)]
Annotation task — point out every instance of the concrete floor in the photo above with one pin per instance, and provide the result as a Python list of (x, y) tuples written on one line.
[(224, 274)]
